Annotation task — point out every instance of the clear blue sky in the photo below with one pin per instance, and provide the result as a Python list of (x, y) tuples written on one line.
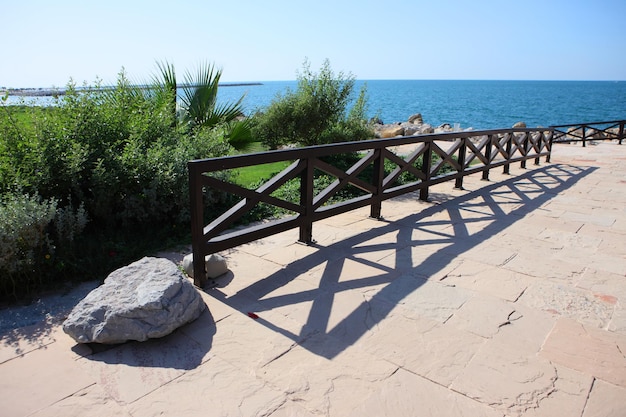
[(44, 43)]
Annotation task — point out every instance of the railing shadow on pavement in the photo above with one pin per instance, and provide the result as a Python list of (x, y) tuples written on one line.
[(443, 233)]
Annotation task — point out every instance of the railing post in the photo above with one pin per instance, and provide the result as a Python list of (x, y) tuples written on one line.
[(426, 169), (488, 157), (621, 131), (509, 145), (197, 226), (550, 142), (525, 147), (306, 201), (462, 151), (538, 142), (584, 136), (377, 181)]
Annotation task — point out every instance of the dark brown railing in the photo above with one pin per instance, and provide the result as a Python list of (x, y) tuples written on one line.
[(613, 130), (426, 161)]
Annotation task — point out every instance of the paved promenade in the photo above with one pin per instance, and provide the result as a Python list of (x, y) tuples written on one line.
[(507, 298)]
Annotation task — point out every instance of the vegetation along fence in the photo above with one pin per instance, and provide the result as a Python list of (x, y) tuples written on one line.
[(378, 170), (613, 130)]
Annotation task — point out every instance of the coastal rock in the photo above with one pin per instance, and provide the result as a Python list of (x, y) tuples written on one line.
[(574, 133), (519, 125), (411, 129), (147, 299), (215, 265), (416, 119), (390, 131), (444, 128), (426, 129), (596, 134)]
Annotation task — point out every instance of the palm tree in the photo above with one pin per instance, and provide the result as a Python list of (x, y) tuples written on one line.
[(164, 86), (198, 106)]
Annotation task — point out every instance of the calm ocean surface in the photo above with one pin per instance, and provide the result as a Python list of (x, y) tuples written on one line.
[(476, 104)]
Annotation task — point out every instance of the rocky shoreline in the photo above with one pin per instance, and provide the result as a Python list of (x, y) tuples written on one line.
[(413, 126)]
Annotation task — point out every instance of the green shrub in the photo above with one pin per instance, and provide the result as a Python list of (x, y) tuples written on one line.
[(69, 223), (316, 113), (25, 245), (106, 169)]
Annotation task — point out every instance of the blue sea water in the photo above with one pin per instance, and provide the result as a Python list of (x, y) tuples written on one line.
[(476, 104)]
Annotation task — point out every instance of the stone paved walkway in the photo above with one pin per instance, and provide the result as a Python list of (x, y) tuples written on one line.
[(507, 298)]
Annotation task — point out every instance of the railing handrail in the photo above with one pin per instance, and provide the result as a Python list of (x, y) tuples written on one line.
[(491, 148), (238, 161), (588, 124)]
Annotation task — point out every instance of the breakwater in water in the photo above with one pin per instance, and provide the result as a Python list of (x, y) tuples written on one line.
[(51, 92)]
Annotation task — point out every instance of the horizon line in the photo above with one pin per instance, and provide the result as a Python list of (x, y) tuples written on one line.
[(5, 89)]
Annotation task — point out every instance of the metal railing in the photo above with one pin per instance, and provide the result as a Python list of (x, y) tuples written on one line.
[(583, 132), (423, 158)]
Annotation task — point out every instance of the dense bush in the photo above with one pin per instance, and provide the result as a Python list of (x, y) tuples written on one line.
[(92, 181), (316, 113), (24, 240), (34, 234)]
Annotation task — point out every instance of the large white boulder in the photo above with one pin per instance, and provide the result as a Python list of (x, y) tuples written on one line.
[(147, 299), (214, 265)]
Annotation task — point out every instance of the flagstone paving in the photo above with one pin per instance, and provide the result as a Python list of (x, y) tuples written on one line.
[(506, 298)]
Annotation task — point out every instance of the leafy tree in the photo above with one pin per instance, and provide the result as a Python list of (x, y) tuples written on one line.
[(316, 113)]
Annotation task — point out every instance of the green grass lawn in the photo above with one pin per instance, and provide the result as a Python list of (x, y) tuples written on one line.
[(251, 175), (248, 176)]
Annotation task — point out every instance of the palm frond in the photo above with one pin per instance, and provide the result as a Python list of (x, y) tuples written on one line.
[(227, 112), (199, 98), (164, 84), (200, 93), (167, 75), (239, 135)]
